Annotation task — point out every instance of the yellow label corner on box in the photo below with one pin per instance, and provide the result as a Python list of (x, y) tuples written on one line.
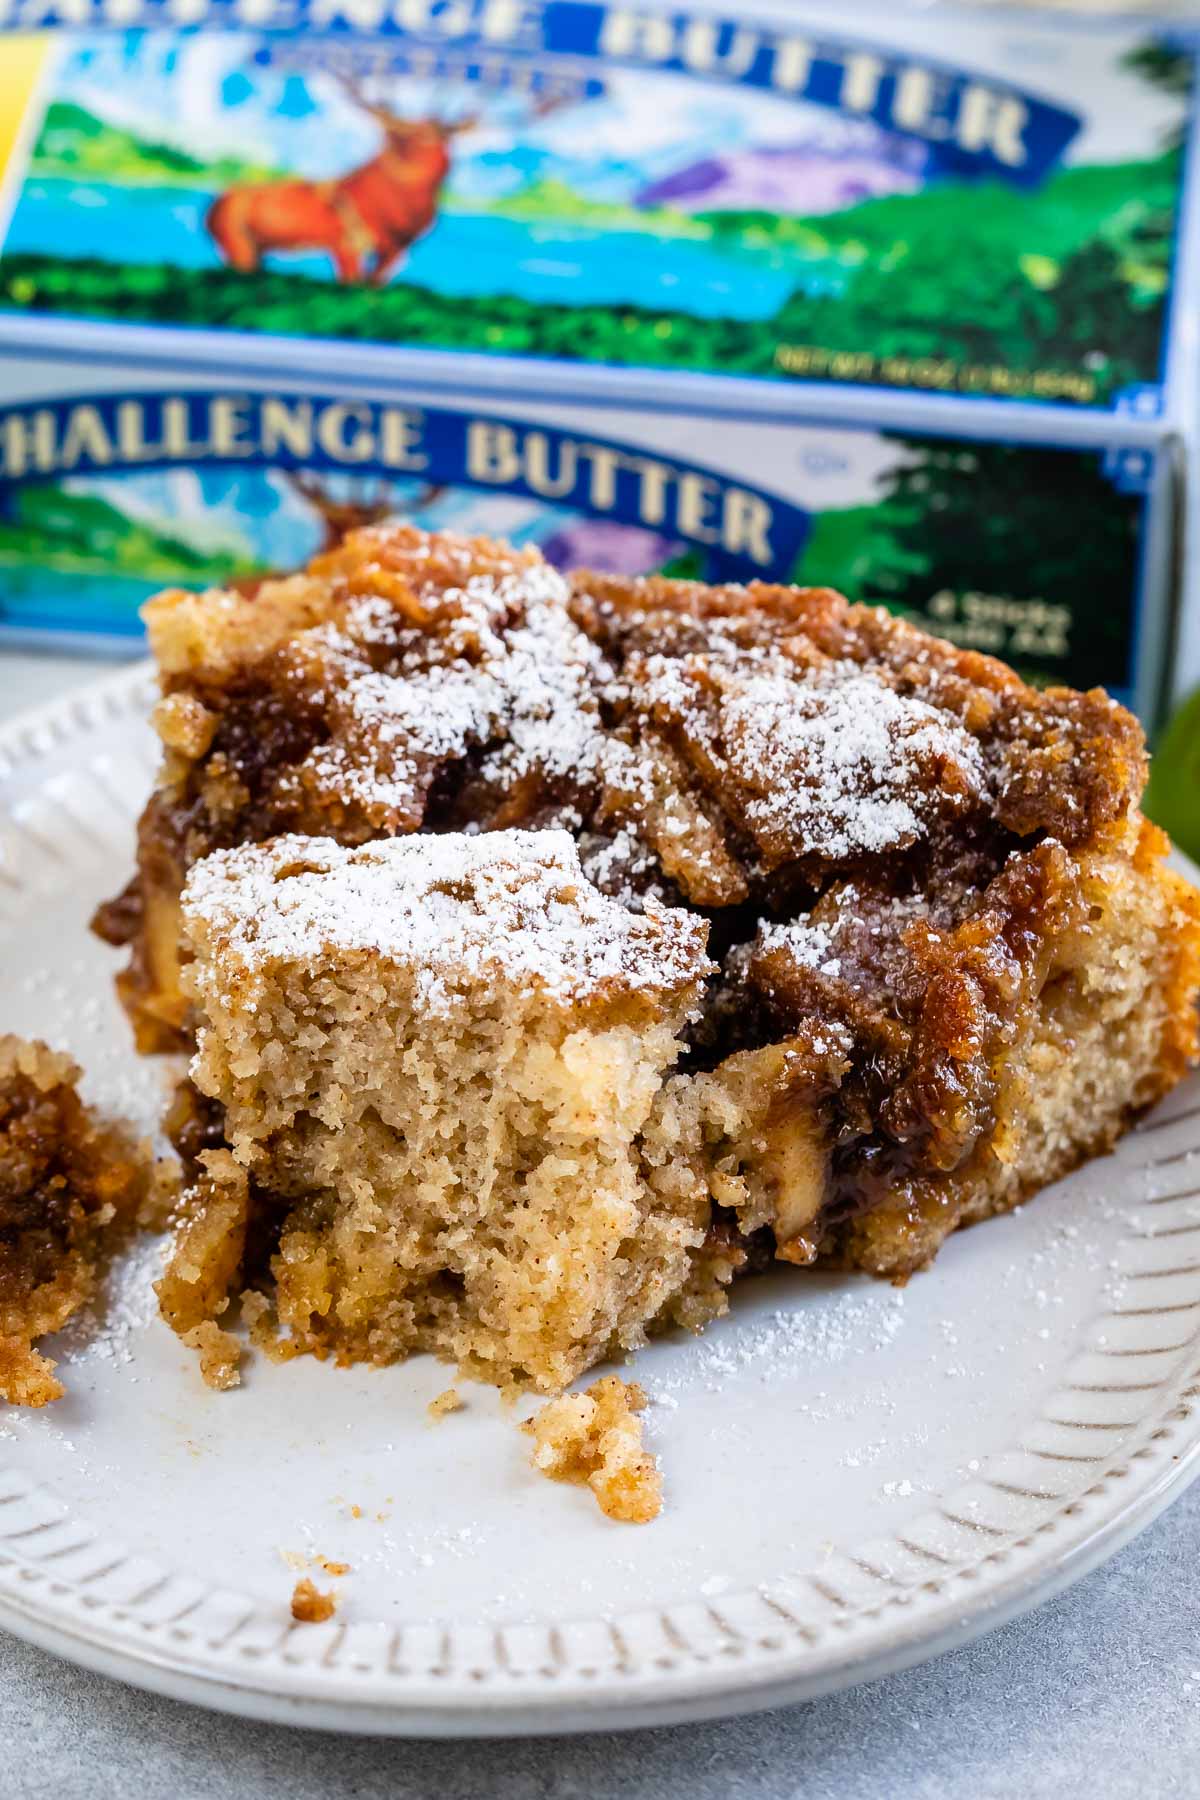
[(22, 60)]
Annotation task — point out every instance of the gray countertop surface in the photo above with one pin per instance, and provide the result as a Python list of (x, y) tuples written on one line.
[(1096, 1696)]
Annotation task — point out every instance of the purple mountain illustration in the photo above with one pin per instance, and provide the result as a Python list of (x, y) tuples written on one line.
[(607, 547), (795, 180)]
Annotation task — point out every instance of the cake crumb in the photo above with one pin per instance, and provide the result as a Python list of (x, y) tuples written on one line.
[(596, 1437), (219, 1353), (72, 1188), (262, 1322), (163, 1191), (304, 1559), (309, 1605), (448, 1401)]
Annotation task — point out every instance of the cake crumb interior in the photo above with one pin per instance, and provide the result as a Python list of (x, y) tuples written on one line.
[(595, 1439), (440, 1064)]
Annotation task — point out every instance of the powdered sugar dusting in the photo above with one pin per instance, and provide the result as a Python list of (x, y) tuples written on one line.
[(806, 941), (514, 676), (829, 761), (460, 912), (790, 1344), (842, 762), (109, 1325)]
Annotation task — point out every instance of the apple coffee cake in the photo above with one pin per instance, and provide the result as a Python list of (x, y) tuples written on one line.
[(946, 960)]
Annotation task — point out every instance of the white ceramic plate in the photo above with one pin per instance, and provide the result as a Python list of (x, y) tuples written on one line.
[(857, 1476)]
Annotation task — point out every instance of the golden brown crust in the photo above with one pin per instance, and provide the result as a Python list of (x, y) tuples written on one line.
[(209, 1248), (1063, 762), (1179, 956)]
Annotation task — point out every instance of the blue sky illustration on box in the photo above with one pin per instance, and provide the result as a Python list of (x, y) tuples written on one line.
[(653, 144), (209, 95), (264, 520)]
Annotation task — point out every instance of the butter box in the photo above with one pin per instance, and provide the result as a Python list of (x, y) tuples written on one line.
[(116, 481), (901, 198), (909, 282)]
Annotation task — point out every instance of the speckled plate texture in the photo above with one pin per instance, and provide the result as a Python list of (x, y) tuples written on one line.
[(857, 1476)]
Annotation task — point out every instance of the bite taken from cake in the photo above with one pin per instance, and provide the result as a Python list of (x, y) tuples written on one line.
[(440, 1063)]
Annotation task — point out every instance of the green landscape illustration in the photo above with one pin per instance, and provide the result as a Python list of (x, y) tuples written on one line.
[(936, 529), (836, 254)]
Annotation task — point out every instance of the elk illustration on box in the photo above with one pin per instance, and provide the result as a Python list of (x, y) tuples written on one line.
[(367, 219), (352, 507), (355, 505)]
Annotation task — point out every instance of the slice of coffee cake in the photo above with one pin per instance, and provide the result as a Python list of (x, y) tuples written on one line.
[(950, 958), (438, 1059)]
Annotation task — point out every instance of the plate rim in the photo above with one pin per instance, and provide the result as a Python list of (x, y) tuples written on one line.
[(573, 1698), (645, 1705)]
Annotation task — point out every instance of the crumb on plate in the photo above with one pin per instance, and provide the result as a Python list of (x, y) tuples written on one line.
[(596, 1438), (70, 1183), (219, 1352), (309, 1605), (448, 1401)]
